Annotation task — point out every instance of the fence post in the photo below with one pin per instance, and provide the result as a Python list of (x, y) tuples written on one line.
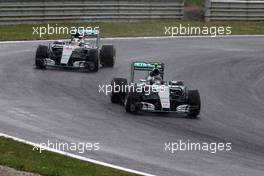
[(207, 10)]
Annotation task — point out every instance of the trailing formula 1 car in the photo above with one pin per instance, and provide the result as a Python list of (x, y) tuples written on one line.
[(153, 94), (82, 52)]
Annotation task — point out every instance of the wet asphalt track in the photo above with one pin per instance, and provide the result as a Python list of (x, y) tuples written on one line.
[(66, 106)]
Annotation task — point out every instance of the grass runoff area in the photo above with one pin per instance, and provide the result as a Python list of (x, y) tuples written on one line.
[(133, 29), (124, 29), (21, 157), (199, 3)]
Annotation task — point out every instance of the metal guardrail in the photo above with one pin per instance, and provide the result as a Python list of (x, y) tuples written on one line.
[(41, 11), (239, 10)]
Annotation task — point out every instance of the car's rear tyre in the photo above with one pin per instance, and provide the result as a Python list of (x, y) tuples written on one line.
[(195, 103), (94, 57), (108, 55), (41, 55), (118, 97), (131, 102)]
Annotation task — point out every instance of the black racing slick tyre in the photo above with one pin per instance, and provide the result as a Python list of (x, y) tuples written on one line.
[(108, 55), (195, 103), (41, 55), (118, 90), (131, 102), (94, 57)]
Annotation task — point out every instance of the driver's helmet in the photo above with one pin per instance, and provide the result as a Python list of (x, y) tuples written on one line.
[(154, 72), (76, 41), (154, 77)]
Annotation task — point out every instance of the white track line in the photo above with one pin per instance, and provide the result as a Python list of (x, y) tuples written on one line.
[(131, 38), (76, 156)]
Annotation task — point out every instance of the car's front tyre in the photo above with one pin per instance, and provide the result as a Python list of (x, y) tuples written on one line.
[(108, 55), (94, 56), (194, 102), (41, 55), (131, 102), (117, 96)]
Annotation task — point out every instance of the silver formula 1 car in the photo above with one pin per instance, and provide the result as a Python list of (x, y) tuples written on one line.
[(153, 94), (82, 52)]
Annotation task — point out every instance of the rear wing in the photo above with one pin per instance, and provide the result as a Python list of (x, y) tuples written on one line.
[(146, 66), (86, 33)]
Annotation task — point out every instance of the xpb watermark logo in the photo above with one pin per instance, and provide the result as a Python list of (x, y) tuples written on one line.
[(61, 30), (80, 147), (187, 145), (188, 30), (146, 89)]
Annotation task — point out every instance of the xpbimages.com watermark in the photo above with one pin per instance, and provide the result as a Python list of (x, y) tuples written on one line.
[(61, 30), (80, 147), (147, 89), (188, 30), (187, 145)]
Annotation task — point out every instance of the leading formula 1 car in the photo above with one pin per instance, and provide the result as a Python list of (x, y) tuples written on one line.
[(153, 94), (82, 52)]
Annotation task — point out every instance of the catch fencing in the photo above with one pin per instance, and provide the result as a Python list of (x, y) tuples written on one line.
[(234, 10), (42, 11)]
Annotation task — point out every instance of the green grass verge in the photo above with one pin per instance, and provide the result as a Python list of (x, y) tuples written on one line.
[(125, 29), (21, 157), (199, 3)]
